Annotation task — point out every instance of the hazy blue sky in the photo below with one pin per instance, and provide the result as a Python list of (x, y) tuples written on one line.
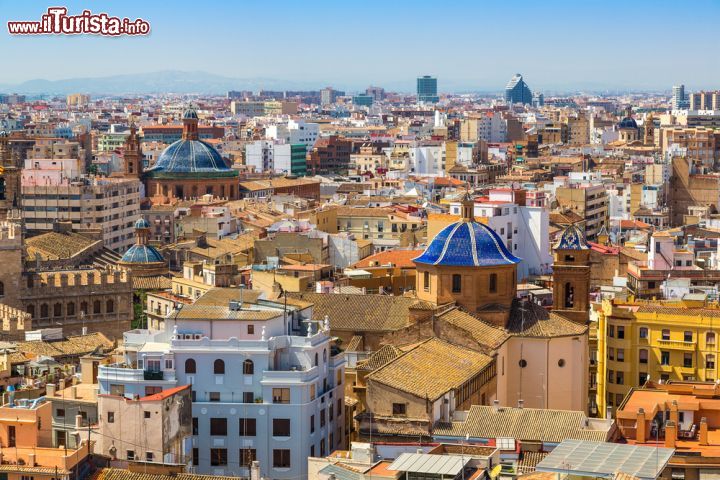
[(555, 44)]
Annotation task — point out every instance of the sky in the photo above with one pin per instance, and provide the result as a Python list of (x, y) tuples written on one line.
[(478, 45)]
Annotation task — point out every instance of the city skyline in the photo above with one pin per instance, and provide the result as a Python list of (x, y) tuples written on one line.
[(304, 45)]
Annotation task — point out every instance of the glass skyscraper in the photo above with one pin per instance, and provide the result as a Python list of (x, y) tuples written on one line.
[(427, 89), (517, 90)]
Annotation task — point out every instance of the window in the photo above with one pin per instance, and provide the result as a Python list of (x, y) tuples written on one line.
[(111, 417), (281, 458), (620, 354), (146, 414), (642, 378), (664, 357), (248, 367), (426, 281), (60, 412), (190, 366), (130, 454), (687, 360), (492, 283), (666, 334), (569, 300), (611, 376), (621, 332), (710, 338), (96, 306), (57, 310), (643, 332), (247, 456), (322, 418), (218, 457), (710, 361), (110, 308), (330, 413), (456, 283), (611, 331), (620, 378), (281, 395), (251, 331), (247, 427), (218, 426), (687, 337), (214, 396), (219, 367), (247, 397), (643, 355), (194, 426), (611, 353), (312, 423), (281, 427), (149, 456)]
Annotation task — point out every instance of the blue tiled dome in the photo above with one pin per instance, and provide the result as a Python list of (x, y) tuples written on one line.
[(190, 113), (628, 122), (572, 238), (142, 254), (189, 157), (142, 223), (467, 244)]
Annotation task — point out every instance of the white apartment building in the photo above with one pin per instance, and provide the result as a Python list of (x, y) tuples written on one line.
[(268, 156), (266, 384), (294, 132), (524, 229), (427, 160)]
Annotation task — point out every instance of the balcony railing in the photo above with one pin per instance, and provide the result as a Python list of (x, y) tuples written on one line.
[(676, 344), (153, 375)]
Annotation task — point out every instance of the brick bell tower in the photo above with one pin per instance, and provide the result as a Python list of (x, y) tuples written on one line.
[(132, 154), (571, 275)]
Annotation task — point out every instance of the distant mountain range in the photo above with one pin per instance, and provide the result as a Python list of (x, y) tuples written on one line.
[(169, 81)]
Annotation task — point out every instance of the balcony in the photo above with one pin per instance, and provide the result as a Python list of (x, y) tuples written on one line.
[(677, 345), (153, 375)]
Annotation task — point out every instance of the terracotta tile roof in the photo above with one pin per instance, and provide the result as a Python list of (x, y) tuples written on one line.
[(223, 312), (355, 344), (75, 345), (221, 296), (431, 369), (535, 321), (164, 394), (120, 474), (399, 258), (155, 282), (371, 313), (483, 333), (380, 358), (524, 424), (679, 310), (55, 245), (363, 212)]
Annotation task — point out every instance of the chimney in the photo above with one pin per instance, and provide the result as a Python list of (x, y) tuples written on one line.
[(640, 429), (521, 403), (255, 470), (78, 422), (50, 390), (608, 412), (496, 405), (72, 392), (703, 431), (31, 459), (670, 434)]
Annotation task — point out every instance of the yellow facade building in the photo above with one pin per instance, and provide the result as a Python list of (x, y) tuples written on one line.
[(656, 340)]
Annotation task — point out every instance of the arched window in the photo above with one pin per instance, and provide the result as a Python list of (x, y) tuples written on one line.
[(492, 283), (96, 306), (569, 295), (190, 366), (219, 367), (643, 332), (57, 310), (70, 309), (44, 310), (325, 355), (710, 338), (248, 367), (2, 289), (316, 359), (31, 310), (109, 306), (84, 307)]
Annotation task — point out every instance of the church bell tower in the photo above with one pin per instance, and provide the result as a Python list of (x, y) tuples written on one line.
[(571, 275)]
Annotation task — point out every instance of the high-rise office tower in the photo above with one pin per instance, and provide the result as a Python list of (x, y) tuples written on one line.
[(427, 89), (517, 90), (679, 98)]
